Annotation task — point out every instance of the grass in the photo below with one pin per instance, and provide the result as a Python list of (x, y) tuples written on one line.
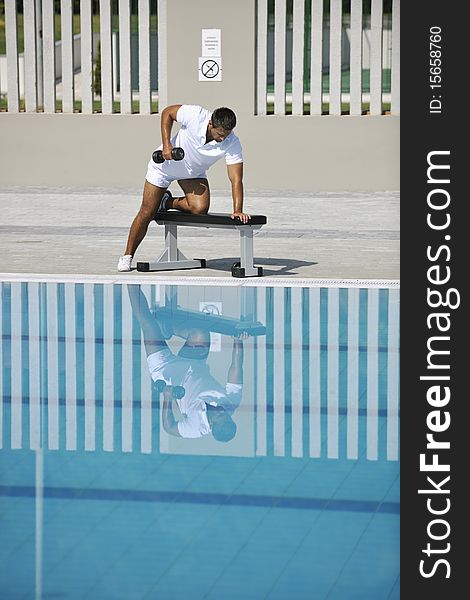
[(326, 108), (135, 107), (345, 87), (77, 106)]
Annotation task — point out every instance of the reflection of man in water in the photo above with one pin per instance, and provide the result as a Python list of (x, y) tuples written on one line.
[(207, 406)]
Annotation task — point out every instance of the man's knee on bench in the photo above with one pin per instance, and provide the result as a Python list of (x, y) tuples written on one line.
[(199, 209), (194, 206)]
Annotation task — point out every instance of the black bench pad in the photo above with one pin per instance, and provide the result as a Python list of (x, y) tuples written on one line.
[(216, 323), (181, 218)]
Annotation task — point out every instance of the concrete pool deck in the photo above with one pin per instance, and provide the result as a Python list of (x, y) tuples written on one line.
[(325, 235)]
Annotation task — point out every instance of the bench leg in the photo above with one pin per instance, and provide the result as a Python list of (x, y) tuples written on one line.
[(247, 268), (171, 242), (171, 257)]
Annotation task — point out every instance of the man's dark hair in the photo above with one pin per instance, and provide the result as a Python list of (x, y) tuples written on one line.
[(224, 430), (225, 118)]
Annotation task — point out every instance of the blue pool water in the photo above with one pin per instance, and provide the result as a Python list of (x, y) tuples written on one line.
[(289, 487)]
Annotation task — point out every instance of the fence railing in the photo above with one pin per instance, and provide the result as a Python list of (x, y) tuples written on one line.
[(327, 62), (84, 81), (312, 57)]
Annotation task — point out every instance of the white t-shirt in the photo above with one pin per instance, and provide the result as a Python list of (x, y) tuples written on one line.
[(193, 408), (200, 387), (199, 156)]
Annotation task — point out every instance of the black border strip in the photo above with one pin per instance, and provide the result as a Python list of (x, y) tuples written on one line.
[(423, 132)]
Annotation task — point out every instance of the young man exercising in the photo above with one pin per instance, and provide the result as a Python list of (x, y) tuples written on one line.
[(205, 138)]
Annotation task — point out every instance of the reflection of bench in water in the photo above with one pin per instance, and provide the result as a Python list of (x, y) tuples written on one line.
[(215, 323)]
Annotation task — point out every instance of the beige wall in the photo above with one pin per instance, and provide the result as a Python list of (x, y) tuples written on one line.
[(291, 153), (236, 20), (325, 153)]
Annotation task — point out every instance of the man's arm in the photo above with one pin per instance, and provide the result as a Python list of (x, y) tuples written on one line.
[(167, 119), (235, 174), (235, 372), (170, 425)]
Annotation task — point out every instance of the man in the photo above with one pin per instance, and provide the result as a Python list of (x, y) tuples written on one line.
[(207, 406), (205, 138)]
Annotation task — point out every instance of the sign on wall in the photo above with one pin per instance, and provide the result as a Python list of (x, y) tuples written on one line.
[(210, 63)]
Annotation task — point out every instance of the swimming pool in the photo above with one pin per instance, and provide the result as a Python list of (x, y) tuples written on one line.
[(103, 495)]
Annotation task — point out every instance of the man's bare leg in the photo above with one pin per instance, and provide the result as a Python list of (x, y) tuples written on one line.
[(152, 196), (196, 199), (152, 334), (154, 339)]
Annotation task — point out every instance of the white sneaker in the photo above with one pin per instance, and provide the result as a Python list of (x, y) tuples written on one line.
[(124, 263)]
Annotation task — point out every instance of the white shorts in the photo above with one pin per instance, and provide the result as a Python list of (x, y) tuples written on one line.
[(158, 361), (162, 178), (163, 364)]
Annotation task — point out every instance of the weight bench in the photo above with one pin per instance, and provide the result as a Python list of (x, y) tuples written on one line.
[(216, 323), (173, 258)]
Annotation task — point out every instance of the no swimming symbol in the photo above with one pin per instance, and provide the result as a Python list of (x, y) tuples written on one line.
[(210, 69)]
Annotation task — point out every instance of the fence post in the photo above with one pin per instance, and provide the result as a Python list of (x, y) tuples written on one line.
[(86, 49), (280, 57), (335, 56), (13, 79), (49, 56), (372, 374), (162, 54), (39, 56), (261, 55), (144, 57), (316, 59), (332, 419), (355, 68), (395, 100), (279, 401), (90, 365), (393, 391), (376, 57), (298, 57), (30, 73), (106, 58), (314, 409), (66, 23), (125, 56), (352, 402)]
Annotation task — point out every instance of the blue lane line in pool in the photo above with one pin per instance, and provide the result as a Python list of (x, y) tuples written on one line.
[(369, 506), (99, 341), (80, 402)]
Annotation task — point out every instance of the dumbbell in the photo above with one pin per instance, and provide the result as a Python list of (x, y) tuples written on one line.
[(176, 154), (178, 390)]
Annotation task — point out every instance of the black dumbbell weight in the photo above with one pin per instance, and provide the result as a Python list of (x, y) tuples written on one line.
[(178, 391), (176, 154), (160, 385)]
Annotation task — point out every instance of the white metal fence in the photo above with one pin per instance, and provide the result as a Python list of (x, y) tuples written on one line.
[(311, 57), (41, 83), (321, 59)]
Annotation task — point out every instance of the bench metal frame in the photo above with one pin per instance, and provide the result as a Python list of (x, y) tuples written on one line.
[(170, 310), (173, 258)]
